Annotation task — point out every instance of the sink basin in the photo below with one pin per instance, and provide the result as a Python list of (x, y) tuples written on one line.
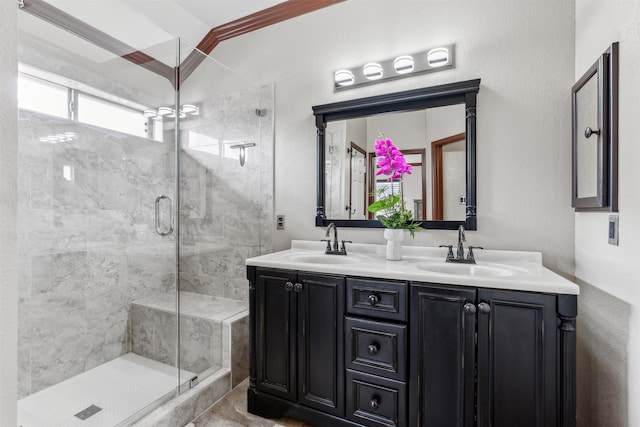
[(325, 259), (475, 270)]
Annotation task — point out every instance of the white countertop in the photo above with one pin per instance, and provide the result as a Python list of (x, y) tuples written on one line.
[(513, 270)]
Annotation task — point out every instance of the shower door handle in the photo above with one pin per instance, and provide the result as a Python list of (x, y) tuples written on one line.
[(158, 229)]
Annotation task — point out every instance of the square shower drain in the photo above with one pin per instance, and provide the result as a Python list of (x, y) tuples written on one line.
[(87, 412)]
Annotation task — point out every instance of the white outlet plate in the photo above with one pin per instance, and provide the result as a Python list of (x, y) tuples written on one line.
[(614, 231)]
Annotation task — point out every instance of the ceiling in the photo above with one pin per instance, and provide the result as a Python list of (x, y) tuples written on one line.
[(145, 23), (140, 35)]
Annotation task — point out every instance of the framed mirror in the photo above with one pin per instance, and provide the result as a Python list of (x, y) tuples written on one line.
[(594, 135), (435, 127)]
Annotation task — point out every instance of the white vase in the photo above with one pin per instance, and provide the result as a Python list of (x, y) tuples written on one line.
[(394, 237)]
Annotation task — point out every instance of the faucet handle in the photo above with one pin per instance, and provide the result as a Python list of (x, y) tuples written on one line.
[(449, 252), (328, 244), (470, 256), (343, 249)]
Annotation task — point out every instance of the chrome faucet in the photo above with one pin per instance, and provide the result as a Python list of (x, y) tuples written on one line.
[(460, 258), (334, 251), (461, 238)]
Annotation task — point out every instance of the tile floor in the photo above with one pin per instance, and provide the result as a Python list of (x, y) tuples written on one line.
[(231, 411)]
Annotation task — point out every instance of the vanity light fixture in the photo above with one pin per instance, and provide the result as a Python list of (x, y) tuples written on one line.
[(148, 114), (428, 60), (190, 109), (403, 64), (170, 113), (438, 57), (373, 71), (343, 78)]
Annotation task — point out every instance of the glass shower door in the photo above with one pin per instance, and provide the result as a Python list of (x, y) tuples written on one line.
[(225, 210), (97, 250)]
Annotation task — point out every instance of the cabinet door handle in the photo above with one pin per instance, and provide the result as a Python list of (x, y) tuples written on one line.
[(374, 403), (469, 308), (297, 287), (484, 308), (288, 286), (372, 349), (373, 299)]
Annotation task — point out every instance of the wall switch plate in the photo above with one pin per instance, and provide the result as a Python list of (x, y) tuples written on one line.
[(613, 229), (280, 222), (462, 200)]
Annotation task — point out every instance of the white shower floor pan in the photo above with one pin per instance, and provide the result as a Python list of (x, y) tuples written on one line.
[(122, 388)]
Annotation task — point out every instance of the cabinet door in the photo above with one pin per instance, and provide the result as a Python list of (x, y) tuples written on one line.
[(320, 342), (516, 359), (441, 385), (276, 333)]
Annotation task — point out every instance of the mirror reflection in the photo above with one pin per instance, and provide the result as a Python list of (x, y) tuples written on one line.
[(433, 142), (587, 146)]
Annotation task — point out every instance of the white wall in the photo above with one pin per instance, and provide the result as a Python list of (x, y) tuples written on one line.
[(523, 52), (8, 210), (609, 339)]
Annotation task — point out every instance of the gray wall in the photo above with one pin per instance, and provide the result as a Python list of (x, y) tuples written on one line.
[(602, 359), (226, 210), (87, 248), (8, 190)]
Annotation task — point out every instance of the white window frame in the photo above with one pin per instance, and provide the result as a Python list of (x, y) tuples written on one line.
[(72, 98)]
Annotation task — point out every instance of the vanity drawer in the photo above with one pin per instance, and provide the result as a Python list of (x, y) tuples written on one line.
[(374, 401), (377, 298), (376, 347)]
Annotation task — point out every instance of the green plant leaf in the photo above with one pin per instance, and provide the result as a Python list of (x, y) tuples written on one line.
[(383, 204)]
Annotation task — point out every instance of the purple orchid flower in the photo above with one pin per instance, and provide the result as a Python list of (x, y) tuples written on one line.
[(391, 161)]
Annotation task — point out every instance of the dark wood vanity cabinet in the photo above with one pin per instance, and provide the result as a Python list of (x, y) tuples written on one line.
[(298, 321), (443, 352), (517, 358), (486, 357), (345, 351)]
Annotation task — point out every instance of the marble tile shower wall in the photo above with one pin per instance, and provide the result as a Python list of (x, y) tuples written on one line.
[(87, 244), (226, 210)]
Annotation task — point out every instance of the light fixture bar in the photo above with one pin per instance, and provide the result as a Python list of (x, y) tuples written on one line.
[(426, 61)]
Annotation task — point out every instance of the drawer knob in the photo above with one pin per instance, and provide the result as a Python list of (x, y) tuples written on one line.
[(484, 308), (372, 349), (373, 299), (374, 403), (288, 286), (469, 308), (297, 287)]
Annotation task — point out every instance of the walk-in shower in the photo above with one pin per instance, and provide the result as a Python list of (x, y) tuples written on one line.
[(135, 218)]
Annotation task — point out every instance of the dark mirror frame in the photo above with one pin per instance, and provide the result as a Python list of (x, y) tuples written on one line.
[(605, 71), (418, 99)]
